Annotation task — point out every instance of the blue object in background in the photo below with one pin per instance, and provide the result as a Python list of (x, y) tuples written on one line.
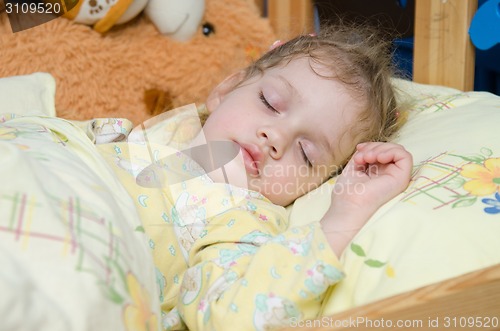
[(487, 70), (485, 35), (487, 64), (403, 56), (401, 15), (484, 29), (402, 3)]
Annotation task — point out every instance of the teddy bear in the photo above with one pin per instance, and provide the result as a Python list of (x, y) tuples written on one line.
[(178, 19), (134, 71)]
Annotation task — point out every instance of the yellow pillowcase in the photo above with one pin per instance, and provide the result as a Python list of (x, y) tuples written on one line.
[(446, 223)]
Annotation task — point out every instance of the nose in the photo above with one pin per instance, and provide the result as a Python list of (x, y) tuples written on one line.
[(275, 139)]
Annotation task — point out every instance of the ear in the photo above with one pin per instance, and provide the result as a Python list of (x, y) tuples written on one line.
[(221, 90)]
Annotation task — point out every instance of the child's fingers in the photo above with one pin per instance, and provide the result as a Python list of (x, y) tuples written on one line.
[(369, 152), (353, 165), (383, 153)]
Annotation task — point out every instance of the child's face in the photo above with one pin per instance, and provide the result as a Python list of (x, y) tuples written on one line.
[(291, 126)]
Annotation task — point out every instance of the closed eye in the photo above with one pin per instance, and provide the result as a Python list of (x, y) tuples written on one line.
[(304, 155), (266, 103)]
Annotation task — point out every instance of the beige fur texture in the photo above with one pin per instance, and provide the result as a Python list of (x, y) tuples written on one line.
[(108, 76)]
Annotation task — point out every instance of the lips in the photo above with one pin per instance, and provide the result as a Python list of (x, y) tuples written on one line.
[(251, 157)]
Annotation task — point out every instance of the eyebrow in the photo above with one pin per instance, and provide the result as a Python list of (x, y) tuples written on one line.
[(323, 138), (289, 87)]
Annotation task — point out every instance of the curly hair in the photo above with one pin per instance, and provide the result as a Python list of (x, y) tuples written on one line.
[(360, 58)]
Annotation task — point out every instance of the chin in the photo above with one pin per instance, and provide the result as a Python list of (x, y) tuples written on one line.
[(232, 173)]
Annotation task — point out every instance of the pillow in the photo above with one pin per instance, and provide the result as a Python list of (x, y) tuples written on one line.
[(72, 250), (312, 206), (446, 223), (28, 95)]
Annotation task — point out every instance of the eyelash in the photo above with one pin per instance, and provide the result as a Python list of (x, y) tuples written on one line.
[(270, 107), (266, 103), (304, 155)]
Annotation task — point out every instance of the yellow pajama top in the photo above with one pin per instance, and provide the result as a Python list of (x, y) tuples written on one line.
[(225, 256)]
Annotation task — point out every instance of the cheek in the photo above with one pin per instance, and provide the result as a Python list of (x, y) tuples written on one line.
[(228, 120), (290, 180), (217, 119), (216, 127), (303, 181)]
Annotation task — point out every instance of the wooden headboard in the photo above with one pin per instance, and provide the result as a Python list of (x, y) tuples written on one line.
[(443, 53)]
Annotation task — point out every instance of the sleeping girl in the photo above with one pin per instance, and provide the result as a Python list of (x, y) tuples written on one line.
[(314, 107)]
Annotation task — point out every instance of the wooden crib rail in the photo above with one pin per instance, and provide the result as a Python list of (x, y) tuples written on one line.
[(291, 17), (443, 53), (468, 302)]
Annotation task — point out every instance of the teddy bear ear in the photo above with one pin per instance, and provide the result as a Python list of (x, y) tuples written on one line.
[(178, 19)]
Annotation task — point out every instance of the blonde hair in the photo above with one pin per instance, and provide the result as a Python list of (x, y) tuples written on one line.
[(358, 57)]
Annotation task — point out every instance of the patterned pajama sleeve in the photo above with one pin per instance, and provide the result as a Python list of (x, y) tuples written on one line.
[(246, 270), (225, 256)]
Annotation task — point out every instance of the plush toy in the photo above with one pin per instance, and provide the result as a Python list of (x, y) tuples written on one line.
[(178, 19), (133, 70), (103, 14)]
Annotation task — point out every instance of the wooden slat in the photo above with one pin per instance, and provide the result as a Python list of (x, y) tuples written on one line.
[(291, 17), (259, 3), (443, 53), (473, 295)]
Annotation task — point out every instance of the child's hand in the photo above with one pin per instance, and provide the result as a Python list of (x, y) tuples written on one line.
[(376, 173)]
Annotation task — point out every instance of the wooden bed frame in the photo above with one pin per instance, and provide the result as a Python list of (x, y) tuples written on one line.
[(443, 52), (443, 55)]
